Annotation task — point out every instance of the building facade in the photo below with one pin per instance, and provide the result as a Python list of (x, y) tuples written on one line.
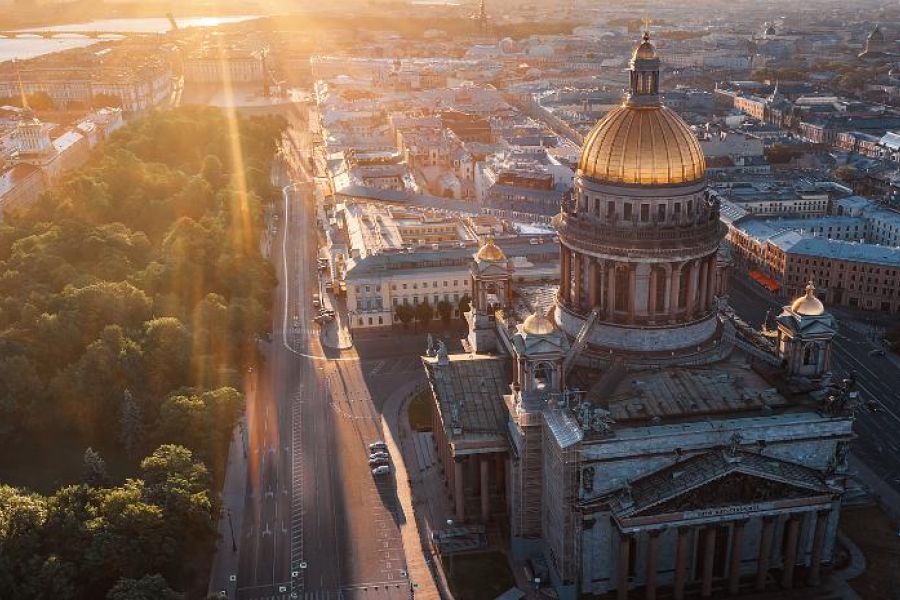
[(630, 438)]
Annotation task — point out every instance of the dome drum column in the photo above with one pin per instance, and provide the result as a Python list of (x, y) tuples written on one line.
[(565, 273)]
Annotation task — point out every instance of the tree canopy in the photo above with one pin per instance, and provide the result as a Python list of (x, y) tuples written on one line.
[(131, 298)]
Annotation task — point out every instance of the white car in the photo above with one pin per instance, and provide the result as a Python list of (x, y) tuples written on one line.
[(379, 456), (382, 470), (378, 446)]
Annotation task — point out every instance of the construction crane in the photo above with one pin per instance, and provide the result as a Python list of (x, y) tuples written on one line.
[(172, 22)]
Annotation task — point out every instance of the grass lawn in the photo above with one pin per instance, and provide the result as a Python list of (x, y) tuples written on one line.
[(44, 463), (876, 535), (481, 576), (420, 411)]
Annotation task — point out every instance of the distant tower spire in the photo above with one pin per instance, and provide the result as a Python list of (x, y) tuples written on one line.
[(21, 87), (482, 16)]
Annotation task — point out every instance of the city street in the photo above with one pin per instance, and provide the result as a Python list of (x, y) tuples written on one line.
[(317, 524), (877, 377)]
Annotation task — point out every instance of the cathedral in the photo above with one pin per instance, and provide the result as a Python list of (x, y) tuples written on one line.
[(623, 430)]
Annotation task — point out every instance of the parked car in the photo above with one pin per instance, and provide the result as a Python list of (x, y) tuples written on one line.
[(375, 462), (381, 470), (378, 446), (876, 352), (379, 456)]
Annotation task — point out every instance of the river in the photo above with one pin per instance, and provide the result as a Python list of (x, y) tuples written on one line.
[(28, 47)]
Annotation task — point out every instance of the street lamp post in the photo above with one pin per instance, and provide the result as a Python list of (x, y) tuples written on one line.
[(450, 524)]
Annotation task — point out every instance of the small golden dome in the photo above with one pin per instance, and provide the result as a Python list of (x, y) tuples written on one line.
[(538, 324), (645, 50), (642, 145), (490, 252), (808, 305)]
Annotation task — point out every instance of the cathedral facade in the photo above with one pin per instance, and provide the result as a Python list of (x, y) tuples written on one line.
[(630, 436)]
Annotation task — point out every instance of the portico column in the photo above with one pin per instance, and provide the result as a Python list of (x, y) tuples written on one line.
[(815, 564), (734, 568), (632, 290), (458, 489), (681, 550), (622, 577), (711, 288), (704, 281), (485, 489), (673, 291), (564, 272), (765, 550), (652, 555), (709, 555), (790, 553), (592, 282), (651, 294)]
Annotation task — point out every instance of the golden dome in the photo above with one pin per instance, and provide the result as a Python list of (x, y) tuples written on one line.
[(642, 145), (490, 252), (538, 324), (807, 304)]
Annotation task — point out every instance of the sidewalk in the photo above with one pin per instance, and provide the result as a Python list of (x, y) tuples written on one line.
[(420, 561), (336, 334), (225, 561), (885, 495)]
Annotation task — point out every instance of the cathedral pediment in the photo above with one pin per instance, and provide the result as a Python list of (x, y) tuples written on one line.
[(720, 483)]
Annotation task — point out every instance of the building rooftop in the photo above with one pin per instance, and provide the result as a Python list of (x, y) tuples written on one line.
[(821, 247), (470, 389)]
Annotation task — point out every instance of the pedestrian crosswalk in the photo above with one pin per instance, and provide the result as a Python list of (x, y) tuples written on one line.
[(392, 366), (368, 591)]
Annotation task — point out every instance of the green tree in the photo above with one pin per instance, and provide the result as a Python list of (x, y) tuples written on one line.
[(148, 587), (94, 470), (131, 420), (445, 311), (106, 100), (167, 354), (405, 313), (464, 304), (424, 313)]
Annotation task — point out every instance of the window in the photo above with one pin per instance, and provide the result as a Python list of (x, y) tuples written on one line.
[(626, 214), (404, 286), (610, 209), (455, 282), (677, 209), (424, 285), (645, 213), (367, 289), (445, 284), (661, 213)]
